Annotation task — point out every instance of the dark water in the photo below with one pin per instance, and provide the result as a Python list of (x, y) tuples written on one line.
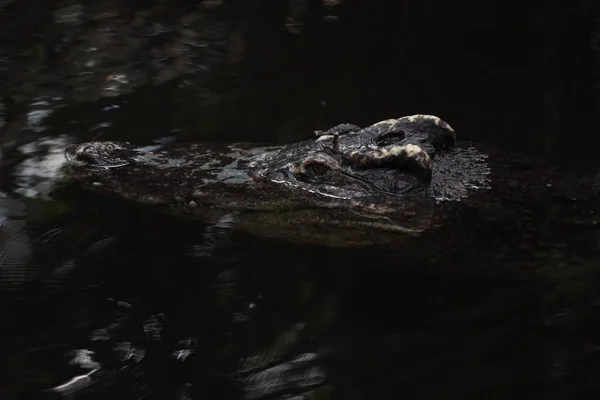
[(132, 305)]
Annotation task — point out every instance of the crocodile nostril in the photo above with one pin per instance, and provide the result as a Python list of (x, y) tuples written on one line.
[(85, 158)]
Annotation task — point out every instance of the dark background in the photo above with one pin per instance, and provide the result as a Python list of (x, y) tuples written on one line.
[(522, 76)]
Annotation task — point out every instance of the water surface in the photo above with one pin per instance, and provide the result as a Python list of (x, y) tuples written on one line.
[(101, 299)]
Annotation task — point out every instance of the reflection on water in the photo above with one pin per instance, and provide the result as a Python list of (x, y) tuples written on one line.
[(100, 299)]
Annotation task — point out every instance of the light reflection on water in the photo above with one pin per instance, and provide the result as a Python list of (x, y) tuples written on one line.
[(136, 305)]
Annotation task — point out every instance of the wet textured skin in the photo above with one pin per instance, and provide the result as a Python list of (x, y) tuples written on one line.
[(395, 180), (383, 177)]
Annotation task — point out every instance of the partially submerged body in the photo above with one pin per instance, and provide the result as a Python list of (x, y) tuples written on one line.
[(338, 189), (403, 183), (397, 181)]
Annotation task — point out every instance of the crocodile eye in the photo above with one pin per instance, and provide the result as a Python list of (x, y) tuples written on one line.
[(390, 138), (315, 168)]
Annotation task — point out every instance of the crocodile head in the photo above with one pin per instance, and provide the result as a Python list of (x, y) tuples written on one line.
[(387, 176)]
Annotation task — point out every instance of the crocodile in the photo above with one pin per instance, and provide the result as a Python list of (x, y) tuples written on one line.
[(390, 182), (404, 181), (385, 177)]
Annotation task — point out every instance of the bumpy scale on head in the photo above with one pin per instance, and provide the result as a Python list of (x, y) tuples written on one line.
[(407, 155)]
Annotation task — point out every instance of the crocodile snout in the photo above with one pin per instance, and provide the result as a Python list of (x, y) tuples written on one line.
[(100, 154)]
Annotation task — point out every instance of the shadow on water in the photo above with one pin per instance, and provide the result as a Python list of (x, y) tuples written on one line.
[(102, 299)]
